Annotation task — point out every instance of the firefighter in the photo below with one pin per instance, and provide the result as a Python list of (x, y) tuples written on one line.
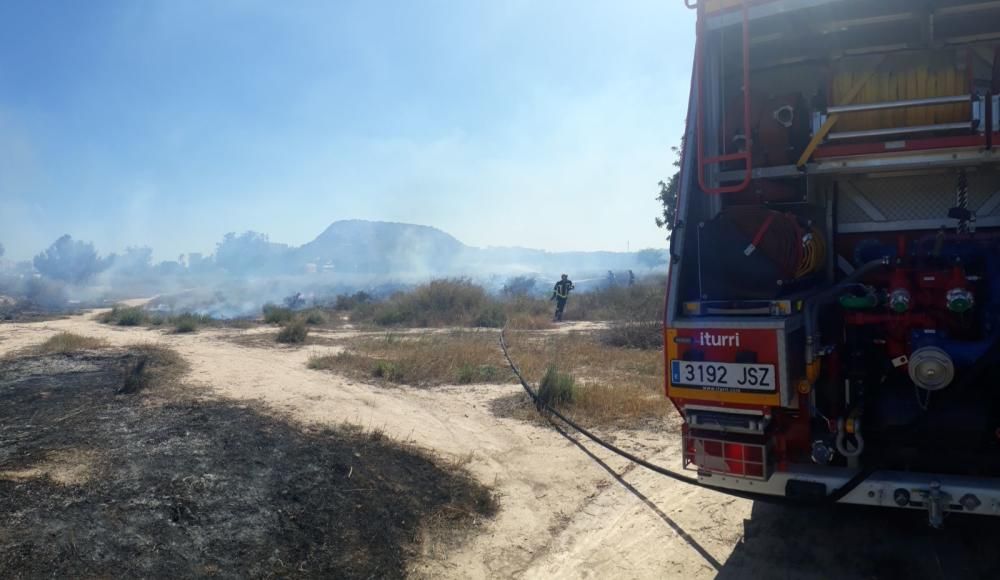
[(560, 294)]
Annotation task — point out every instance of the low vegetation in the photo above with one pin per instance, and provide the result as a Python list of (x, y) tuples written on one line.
[(599, 383), (151, 366), (556, 389), (314, 316), (458, 302), (454, 302), (634, 334), (460, 357), (274, 314), (67, 342), (294, 332), (643, 302), (187, 322), (182, 322), (125, 316)]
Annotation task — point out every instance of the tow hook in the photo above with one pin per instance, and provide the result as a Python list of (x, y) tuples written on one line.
[(936, 501)]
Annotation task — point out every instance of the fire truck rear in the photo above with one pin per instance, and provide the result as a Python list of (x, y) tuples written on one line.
[(833, 310)]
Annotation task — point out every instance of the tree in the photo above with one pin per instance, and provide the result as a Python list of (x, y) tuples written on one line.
[(135, 261), (249, 251), (70, 260), (519, 286), (668, 192), (651, 258)]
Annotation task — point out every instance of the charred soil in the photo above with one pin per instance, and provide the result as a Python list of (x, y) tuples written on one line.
[(106, 469)]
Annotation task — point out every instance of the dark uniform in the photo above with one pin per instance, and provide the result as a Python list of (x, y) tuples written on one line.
[(560, 294)]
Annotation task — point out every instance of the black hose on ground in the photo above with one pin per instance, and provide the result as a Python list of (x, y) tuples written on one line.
[(834, 497)]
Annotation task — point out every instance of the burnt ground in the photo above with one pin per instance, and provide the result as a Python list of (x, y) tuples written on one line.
[(25, 312), (97, 480)]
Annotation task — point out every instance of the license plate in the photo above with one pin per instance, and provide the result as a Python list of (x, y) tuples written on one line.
[(727, 376)]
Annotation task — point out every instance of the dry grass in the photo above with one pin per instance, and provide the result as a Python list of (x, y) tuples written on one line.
[(454, 302), (529, 321), (632, 334), (641, 302), (613, 386), (67, 342), (152, 366), (424, 360)]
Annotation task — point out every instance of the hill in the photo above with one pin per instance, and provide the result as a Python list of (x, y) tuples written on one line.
[(366, 247), (374, 248)]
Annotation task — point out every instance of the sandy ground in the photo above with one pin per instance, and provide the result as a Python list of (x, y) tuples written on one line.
[(568, 510)]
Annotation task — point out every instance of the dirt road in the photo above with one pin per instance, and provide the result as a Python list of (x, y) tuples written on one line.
[(568, 510)]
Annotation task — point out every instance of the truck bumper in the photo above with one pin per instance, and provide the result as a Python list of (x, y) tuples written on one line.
[(933, 493)]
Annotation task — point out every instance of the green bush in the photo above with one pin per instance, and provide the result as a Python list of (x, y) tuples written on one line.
[(295, 332), (491, 316), (388, 370), (314, 316), (352, 301), (128, 315), (469, 374), (447, 302), (391, 315), (186, 322), (274, 314), (556, 388)]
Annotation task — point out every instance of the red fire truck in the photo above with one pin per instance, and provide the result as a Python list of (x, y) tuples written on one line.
[(833, 309)]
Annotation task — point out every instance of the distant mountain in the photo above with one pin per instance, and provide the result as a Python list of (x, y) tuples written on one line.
[(400, 249), (365, 247)]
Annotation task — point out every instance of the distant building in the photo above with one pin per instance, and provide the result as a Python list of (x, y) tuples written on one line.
[(311, 268)]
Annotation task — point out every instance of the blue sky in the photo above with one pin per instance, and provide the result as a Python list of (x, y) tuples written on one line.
[(169, 123)]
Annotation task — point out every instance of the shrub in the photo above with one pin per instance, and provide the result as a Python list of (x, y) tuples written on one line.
[(644, 335), (445, 302), (352, 301), (274, 314), (643, 301), (66, 342), (388, 370), (128, 315), (151, 366), (314, 316), (556, 388), (295, 301), (295, 332), (391, 315), (519, 286), (186, 322), (491, 316), (468, 374)]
